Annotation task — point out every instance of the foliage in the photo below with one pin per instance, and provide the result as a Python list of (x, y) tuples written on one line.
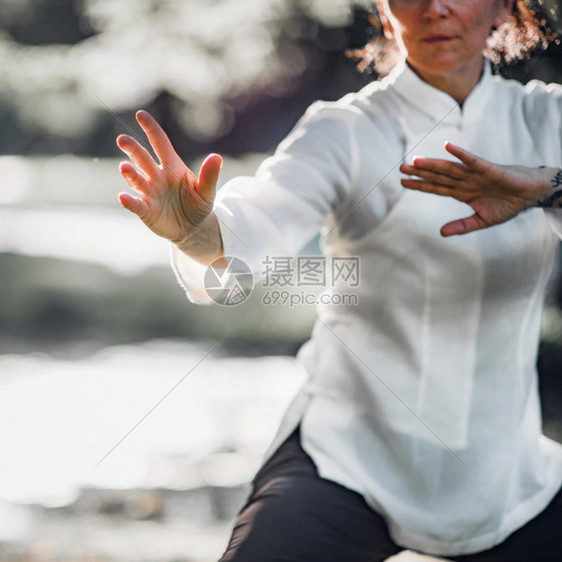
[(71, 69)]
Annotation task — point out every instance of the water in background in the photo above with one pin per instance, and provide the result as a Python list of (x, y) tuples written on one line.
[(137, 404), (125, 431)]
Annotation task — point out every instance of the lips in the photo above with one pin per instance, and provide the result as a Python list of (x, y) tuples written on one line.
[(437, 39)]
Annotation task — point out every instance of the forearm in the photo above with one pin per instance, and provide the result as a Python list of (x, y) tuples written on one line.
[(204, 244), (550, 188)]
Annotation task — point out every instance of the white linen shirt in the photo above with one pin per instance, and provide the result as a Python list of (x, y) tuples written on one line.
[(423, 397)]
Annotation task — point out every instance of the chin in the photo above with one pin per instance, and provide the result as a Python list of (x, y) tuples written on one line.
[(440, 64)]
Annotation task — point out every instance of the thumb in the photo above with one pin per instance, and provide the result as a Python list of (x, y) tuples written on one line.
[(462, 226), (209, 175)]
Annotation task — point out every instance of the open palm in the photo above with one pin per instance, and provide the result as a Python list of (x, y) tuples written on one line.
[(171, 200), (496, 193)]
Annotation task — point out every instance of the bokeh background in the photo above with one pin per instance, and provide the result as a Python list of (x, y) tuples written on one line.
[(130, 419)]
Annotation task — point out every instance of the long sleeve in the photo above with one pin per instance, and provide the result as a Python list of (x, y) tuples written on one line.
[(281, 208), (544, 105), (554, 215)]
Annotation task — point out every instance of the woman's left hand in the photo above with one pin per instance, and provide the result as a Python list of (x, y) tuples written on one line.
[(496, 193)]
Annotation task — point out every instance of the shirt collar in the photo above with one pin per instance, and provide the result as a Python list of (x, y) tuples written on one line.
[(432, 101)]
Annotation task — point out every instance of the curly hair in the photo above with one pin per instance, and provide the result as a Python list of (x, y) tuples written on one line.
[(522, 34)]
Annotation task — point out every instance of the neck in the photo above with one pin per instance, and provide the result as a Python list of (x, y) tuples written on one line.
[(458, 83)]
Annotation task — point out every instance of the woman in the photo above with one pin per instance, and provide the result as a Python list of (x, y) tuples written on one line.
[(419, 424)]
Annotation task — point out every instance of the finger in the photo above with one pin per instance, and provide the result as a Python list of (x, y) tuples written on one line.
[(447, 168), (157, 137), (133, 204), (431, 177), (462, 226), (209, 175), (428, 187), (138, 154), (133, 177), (466, 157)]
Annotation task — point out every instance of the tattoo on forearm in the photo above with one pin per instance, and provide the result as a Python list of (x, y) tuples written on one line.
[(555, 199), (556, 181)]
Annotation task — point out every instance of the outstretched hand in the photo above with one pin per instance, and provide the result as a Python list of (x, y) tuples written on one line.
[(496, 193), (171, 200)]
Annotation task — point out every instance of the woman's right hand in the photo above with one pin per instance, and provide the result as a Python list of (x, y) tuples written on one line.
[(172, 201)]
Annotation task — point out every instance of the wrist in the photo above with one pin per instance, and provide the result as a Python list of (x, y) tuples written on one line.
[(189, 237), (549, 190), (203, 242)]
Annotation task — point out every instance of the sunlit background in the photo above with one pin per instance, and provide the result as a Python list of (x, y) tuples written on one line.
[(130, 419)]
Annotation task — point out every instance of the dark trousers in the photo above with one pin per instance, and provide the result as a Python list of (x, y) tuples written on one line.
[(294, 515)]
